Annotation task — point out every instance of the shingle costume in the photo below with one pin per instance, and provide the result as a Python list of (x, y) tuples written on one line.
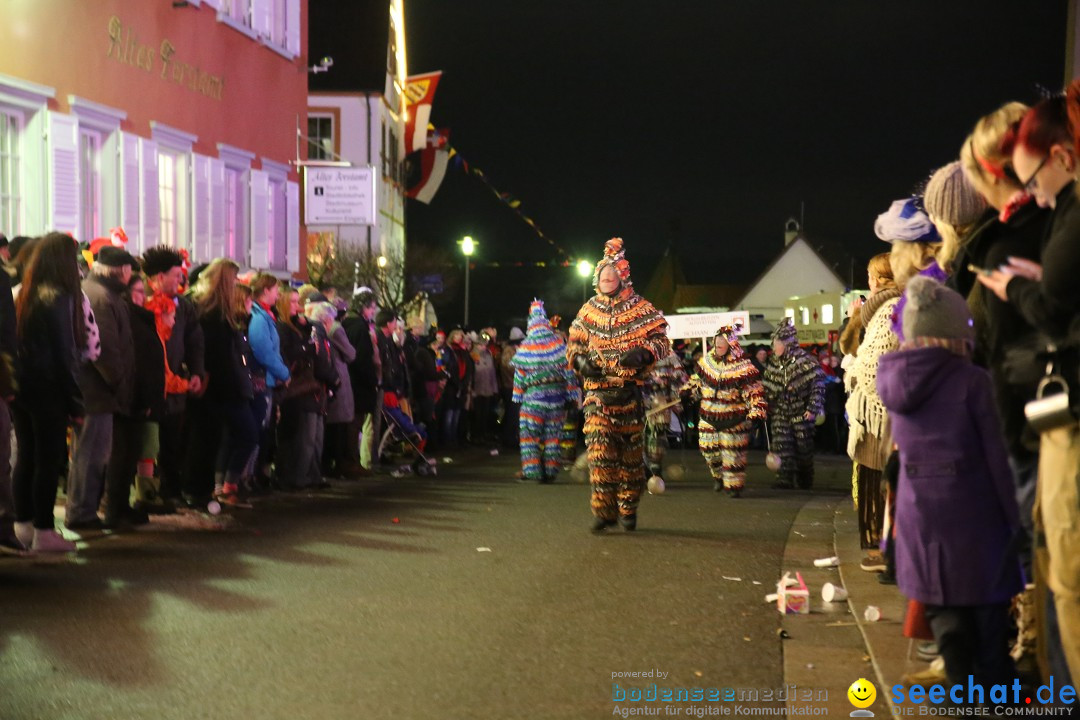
[(794, 386), (732, 398), (543, 385), (614, 342), (661, 388)]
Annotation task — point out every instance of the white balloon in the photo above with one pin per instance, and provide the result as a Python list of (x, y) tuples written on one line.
[(772, 461), (656, 485), (676, 472)]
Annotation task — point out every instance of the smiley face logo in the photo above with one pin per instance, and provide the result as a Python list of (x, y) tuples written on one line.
[(862, 693)]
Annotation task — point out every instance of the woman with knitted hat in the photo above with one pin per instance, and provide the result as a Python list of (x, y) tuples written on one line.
[(543, 388), (732, 398), (1047, 295), (615, 339), (956, 513), (795, 392)]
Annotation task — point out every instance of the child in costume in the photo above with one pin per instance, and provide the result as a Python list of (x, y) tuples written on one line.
[(615, 340), (732, 398), (795, 391), (661, 389), (543, 387), (956, 511)]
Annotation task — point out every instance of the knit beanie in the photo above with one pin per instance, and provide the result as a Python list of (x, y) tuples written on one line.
[(935, 311), (951, 199)]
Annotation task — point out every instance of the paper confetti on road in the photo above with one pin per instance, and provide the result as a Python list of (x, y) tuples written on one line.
[(731, 578), (483, 549)]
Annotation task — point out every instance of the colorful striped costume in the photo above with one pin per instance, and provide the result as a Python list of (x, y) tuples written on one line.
[(614, 342), (794, 386), (543, 386), (661, 387), (732, 398)]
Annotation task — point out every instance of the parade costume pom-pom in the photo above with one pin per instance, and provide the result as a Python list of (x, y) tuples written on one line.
[(772, 461), (656, 485)]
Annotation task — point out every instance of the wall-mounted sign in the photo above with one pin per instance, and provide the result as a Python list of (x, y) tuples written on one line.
[(339, 196), (704, 325)]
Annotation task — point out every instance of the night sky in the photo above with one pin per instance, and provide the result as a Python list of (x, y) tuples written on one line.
[(701, 123)]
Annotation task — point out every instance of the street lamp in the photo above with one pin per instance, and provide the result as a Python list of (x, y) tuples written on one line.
[(382, 261), (584, 269), (468, 247)]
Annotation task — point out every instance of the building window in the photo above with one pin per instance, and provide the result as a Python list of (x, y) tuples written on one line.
[(395, 165), (235, 248), (10, 207), (805, 316), (173, 198), (320, 137), (238, 10), (89, 184), (826, 314), (790, 313), (278, 21), (278, 226)]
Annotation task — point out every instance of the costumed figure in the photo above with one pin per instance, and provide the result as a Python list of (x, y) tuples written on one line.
[(661, 400), (732, 398), (795, 390), (615, 340), (543, 386)]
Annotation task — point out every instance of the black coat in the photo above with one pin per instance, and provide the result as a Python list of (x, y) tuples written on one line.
[(149, 400), (306, 350), (228, 376), (48, 356), (362, 372), (394, 378), (1006, 343)]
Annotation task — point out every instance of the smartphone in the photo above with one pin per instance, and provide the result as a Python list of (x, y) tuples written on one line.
[(979, 270)]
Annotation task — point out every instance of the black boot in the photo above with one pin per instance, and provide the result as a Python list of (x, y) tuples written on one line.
[(600, 524), (629, 522)]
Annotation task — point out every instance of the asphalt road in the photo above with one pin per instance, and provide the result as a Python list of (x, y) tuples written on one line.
[(468, 595)]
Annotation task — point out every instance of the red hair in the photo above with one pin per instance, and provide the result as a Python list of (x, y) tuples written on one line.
[(1045, 125)]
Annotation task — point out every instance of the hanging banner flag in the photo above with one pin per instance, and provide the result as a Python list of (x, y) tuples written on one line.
[(419, 92), (433, 161)]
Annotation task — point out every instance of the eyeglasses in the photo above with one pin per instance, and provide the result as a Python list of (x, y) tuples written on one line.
[(1030, 184)]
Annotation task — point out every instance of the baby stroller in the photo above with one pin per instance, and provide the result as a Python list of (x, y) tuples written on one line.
[(400, 427)]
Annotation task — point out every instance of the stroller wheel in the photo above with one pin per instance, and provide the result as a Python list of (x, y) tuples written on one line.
[(421, 468)]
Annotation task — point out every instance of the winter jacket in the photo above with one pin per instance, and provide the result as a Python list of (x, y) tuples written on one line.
[(48, 356), (486, 383), (149, 396), (393, 367), (342, 406), (1005, 343), (228, 373), (266, 345), (108, 383), (306, 350), (363, 375), (184, 348), (956, 510)]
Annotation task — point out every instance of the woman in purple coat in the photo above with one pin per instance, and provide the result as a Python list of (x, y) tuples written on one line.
[(956, 513)]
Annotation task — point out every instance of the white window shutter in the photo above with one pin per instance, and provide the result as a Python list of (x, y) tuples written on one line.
[(217, 209), (63, 138), (216, 4), (129, 191), (262, 17), (292, 27), (259, 225), (200, 208), (292, 227), (150, 209)]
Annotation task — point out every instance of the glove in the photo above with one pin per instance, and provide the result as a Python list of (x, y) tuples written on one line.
[(586, 367), (636, 358)]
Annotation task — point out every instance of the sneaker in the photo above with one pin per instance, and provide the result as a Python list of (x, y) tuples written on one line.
[(127, 519), (926, 650), (926, 678), (873, 562), (50, 541), (24, 533)]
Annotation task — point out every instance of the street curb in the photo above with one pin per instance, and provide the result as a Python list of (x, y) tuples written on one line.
[(825, 650)]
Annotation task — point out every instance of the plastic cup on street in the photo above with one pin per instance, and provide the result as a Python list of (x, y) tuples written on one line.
[(833, 593), (872, 613), (827, 562)]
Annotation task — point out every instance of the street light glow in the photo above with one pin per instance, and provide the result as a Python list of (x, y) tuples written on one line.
[(382, 261), (584, 268), (468, 245)]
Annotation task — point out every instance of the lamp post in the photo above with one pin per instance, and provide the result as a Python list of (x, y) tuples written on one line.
[(468, 247), (584, 269)]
